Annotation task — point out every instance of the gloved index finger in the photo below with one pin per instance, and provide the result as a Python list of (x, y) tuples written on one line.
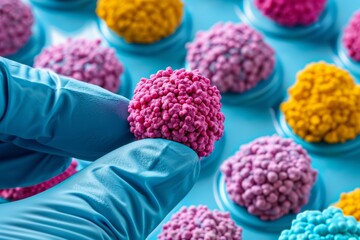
[(45, 112)]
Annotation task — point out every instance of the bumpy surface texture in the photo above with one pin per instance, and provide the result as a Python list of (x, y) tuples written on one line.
[(270, 177), (141, 21), (195, 223), (14, 194), (351, 37), (350, 203), (292, 13), (330, 224), (233, 56), (84, 60), (324, 105), (180, 106), (16, 22)]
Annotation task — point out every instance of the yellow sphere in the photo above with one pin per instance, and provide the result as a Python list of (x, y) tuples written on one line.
[(141, 21), (350, 204), (323, 105)]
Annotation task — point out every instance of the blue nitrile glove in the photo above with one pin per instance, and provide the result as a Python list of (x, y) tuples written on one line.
[(46, 113), (45, 119), (124, 195)]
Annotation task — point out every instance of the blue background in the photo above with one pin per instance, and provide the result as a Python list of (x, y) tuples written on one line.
[(243, 124)]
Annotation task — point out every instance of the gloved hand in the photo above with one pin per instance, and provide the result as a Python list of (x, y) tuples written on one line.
[(49, 114), (45, 119), (123, 195)]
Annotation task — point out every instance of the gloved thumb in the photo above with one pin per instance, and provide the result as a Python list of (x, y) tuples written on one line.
[(123, 195)]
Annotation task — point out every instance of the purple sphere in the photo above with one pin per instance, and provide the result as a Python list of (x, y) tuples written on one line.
[(233, 56), (195, 223), (270, 177), (15, 22), (84, 60)]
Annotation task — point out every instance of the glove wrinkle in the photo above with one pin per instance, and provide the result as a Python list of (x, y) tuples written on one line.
[(123, 195), (53, 114), (20, 167), (54, 118), (4, 91)]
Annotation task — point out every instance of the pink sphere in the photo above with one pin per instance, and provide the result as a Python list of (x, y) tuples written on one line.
[(195, 223), (84, 60), (180, 106), (14, 194), (351, 37), (270, 177), (233, 56), (292, 13), (15, 22)]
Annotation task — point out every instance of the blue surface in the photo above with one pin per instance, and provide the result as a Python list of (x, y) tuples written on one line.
[(294, 48), (61, 4)]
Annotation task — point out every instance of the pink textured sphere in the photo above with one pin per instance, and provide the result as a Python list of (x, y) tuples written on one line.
[(270, 177), (84, 60), (292, 13), (16, 20), (195, 223), (14, 194), (351, 37), (180, 106), (233, 56)]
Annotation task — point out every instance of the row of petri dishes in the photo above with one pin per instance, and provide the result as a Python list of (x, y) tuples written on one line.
[(321, 112)]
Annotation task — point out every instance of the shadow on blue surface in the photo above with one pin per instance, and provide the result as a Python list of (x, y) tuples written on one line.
[(61, 4)]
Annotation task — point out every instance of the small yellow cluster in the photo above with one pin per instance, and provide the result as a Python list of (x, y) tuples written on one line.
[(141, 21), (350, 204), (324, 105)]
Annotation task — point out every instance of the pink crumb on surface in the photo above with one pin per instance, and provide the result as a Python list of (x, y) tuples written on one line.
[(85, 60), (178, 105), (292, 13), (16, 22), (14, 194), (351, 38), (195, 223), (270, 177), (233, 56)]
